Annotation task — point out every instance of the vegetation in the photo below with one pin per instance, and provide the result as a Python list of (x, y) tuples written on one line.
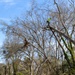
[(42, 42)]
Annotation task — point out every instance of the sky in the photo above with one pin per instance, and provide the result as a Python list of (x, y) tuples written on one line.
[(10, 9)]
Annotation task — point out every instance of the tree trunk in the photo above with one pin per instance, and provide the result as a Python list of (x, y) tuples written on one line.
[(5, 70), (14, 70)]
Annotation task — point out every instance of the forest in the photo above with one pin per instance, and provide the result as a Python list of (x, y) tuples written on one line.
[(41, 41)]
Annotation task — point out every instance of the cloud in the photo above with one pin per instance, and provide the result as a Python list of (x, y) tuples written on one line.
[(8, 2), (29, 5), (7, 20)]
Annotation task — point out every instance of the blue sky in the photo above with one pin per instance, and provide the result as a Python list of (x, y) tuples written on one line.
[(10, 9)]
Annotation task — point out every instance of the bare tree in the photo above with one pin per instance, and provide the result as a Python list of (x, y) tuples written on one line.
[(43, 43)]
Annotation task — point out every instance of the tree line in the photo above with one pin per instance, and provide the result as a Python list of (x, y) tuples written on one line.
[(42, 42)]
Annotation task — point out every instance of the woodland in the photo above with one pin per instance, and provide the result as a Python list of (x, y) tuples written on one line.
[(41, 41)]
